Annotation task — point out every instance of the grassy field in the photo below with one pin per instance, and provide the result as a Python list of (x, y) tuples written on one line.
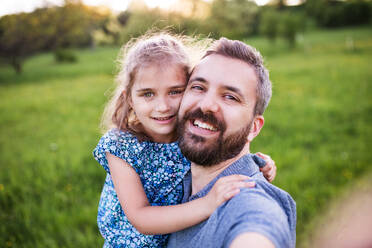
[(318, 130)]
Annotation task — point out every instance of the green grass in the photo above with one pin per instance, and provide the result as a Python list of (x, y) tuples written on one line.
[(318, 130)]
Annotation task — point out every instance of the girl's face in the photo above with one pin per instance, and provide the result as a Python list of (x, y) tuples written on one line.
[(155, 98)]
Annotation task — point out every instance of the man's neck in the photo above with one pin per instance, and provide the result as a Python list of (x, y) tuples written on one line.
[(202, 175)]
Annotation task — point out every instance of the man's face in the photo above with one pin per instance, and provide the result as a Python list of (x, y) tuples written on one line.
[(216, 112)]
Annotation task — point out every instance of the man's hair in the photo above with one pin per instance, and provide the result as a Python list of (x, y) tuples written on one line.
[(238, 50)]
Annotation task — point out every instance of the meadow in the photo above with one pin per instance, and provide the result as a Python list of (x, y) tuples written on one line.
[(318, 130)]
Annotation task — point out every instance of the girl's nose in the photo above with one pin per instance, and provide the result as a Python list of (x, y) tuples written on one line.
[(162, 105)]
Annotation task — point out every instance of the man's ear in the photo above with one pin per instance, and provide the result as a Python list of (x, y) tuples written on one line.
[(256, 127)]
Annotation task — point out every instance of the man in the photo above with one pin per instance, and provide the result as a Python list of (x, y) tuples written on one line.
[(220, 114)]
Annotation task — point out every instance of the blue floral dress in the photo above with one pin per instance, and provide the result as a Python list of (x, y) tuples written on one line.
[(161, 168)]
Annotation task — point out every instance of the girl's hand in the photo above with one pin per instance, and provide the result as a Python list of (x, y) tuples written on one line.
[(269, 170), (224, 189)]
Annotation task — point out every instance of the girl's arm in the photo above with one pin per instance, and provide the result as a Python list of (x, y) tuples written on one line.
[(166, 219)]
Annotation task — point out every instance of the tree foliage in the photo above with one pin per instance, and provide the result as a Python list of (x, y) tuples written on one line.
[(19, 37), (330, 13), (290, 25), (234, 19), (22, 35), (269, 23), (75, 24)]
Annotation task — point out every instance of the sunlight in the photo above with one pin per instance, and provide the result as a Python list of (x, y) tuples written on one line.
[(115, 5), (164, 4)]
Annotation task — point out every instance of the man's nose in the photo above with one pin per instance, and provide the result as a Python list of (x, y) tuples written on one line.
[(162, 105), (209, 104)]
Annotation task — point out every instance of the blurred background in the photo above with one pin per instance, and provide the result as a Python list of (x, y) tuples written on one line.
[(57, 66)]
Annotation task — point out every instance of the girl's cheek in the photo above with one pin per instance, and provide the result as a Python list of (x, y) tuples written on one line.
[(178, 102)]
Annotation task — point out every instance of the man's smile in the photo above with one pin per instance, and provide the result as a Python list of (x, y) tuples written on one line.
[(204, 125), (201, 128)]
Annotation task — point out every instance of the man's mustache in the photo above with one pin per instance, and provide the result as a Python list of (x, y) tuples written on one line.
[(205, 117)]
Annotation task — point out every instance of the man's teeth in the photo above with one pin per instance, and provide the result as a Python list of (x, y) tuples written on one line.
[(204, 125)]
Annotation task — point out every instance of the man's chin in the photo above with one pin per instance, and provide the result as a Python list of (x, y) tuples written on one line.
[(209, 151), (200, 141)]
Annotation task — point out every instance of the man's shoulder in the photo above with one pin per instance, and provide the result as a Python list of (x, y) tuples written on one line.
[(264, 196), (267, 198)]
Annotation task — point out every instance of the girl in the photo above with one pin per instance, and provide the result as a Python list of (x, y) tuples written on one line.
[(144, 165)]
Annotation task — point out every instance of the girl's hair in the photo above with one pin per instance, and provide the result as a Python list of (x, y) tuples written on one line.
[(160, 49)]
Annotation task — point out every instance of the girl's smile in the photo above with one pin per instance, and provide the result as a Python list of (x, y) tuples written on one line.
[(165, 120)]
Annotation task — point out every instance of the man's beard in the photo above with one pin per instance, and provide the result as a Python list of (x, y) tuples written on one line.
[(196, 149)]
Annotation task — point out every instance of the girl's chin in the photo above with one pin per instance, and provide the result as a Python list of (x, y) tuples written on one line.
[(164, 137)]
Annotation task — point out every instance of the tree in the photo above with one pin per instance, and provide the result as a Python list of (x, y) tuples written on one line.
[(233, 18), (269, 24), (22, 35), (290, 25), (19, 38)]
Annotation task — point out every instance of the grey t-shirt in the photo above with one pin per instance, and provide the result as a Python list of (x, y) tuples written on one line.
[(265, 209)]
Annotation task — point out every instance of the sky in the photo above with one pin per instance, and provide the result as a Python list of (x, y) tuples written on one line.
[(15, 6)]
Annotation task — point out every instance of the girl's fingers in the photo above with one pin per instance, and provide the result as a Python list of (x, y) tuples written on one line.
[(268, 174), (236, 177), (264, 156), (237, 185), (250, 184), (231, 194), (266, 168), (235, 189), (271, 175), (228, 184)]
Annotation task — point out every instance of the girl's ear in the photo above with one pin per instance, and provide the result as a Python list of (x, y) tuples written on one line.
[(124, 96)]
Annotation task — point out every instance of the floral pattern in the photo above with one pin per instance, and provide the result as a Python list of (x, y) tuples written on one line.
[(161, 168)]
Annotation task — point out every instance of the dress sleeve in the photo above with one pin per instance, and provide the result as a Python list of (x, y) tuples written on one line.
[(120, 144)]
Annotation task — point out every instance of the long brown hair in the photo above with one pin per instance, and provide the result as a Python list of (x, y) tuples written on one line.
[(161, 49)]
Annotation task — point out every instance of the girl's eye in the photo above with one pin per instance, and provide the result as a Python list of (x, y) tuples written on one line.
[(148, 94)]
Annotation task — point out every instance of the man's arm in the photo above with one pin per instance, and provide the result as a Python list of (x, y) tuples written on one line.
[(251, 240), (258, 219)]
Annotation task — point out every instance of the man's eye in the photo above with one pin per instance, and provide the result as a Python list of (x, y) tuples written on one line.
[(232, 98), (148, 94), (197, 88)]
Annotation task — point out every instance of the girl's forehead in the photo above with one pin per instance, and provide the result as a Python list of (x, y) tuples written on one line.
[(157, 76)]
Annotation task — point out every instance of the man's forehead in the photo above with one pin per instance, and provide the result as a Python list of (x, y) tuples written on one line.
[(219, 68)]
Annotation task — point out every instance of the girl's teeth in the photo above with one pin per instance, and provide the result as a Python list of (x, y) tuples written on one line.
[(163, 118)]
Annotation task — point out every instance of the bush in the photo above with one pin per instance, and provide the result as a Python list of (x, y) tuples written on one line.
[(340, 13), (290, 24), (357, 12), (63, 55)]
